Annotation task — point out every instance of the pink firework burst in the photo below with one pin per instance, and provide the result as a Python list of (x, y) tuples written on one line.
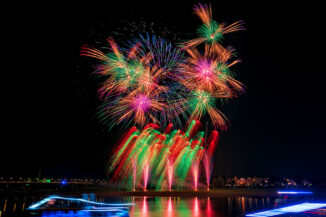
[(141, 103)]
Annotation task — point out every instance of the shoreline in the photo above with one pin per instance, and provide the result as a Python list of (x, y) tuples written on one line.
[(257, 192), (199, 193)]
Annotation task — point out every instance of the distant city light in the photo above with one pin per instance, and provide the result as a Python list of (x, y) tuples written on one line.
[(63, 182), (289, 209), (294, 192)]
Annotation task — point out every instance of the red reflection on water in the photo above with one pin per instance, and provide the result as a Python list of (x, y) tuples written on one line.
[(170, 207), (144, 208), (243, 205), (196, 207), (209, 207)]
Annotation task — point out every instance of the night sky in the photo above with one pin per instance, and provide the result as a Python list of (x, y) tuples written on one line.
[(277, 126)]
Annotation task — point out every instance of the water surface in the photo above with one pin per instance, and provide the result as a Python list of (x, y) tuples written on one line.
[(163, 206)]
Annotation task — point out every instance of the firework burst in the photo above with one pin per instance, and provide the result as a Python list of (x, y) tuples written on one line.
[(211, 32), (136, 106), (153, 80)]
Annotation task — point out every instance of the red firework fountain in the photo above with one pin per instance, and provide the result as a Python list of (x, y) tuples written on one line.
[(134, 167), (170, 173), (195, 173), (208, 156), (207, 165), (146, 176)]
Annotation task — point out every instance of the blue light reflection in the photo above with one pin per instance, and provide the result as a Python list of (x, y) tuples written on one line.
[(289, 209)]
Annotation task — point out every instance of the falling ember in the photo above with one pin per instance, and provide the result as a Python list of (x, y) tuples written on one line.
[(195, 175), (146, 176), (170, 173)]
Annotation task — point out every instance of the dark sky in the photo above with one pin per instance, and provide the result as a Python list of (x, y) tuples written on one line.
[(277, 126)]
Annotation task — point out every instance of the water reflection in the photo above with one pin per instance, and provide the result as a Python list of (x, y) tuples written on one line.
[(209, 211), (170, 207), (154, 206), (208, 207), (144, 209)]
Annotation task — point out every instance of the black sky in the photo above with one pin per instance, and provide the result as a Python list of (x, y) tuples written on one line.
[(277, 126)]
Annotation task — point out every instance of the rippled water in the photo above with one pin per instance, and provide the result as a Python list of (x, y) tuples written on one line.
[(160, 206)]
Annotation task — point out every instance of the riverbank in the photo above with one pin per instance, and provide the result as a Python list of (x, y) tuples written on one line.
[(229, 192), (199, 193)]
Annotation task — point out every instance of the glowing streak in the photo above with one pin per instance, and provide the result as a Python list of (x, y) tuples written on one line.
[(105, 210), (289, 209), (34, 206), (294, 192), (101, 208), (40, 203)]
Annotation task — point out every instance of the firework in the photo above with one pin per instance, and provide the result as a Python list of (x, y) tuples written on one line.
[(162, 160), (121, 68), (211, 74), (166, 57), (138, 107), (211, 32), (153, 80), (164, 54), (131, 90), (207, 79), (154, 84)]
